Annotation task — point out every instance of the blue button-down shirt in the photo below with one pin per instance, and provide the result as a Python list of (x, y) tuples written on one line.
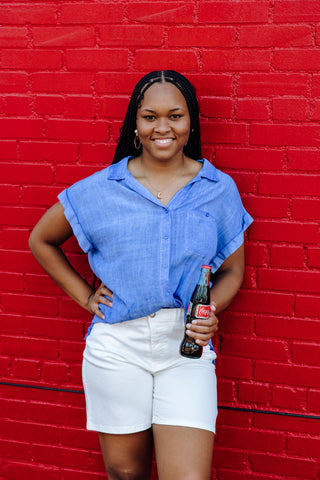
[(149, 255)]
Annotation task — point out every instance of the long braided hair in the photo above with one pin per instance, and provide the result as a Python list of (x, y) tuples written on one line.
[(126, 146)]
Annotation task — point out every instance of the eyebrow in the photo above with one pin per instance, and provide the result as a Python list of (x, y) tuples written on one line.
[(152, 111)]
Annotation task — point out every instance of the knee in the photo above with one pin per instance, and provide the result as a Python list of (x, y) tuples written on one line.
[(127, 473)]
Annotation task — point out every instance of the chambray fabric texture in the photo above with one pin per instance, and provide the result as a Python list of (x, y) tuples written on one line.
[(147, 254)]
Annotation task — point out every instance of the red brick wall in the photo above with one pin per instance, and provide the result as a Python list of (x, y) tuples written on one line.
[(66, 72)]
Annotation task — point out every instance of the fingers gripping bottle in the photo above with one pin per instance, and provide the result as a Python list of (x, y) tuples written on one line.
[(199, 307)]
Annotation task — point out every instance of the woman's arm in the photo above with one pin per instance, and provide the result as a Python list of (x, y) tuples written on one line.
[(226, 283), (45, 240)]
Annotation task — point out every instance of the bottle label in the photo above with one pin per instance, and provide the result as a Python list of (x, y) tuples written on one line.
[(202, 311)]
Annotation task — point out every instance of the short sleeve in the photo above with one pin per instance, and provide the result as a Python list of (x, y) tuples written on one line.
[(71, 216), (232, 221)]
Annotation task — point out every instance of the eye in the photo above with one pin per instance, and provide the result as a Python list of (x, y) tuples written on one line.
[(149, 117), (176, 116)]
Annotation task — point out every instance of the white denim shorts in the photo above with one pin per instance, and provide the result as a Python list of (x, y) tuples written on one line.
[(134, 376)]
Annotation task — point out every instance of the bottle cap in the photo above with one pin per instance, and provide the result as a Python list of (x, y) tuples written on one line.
[(206, 266)]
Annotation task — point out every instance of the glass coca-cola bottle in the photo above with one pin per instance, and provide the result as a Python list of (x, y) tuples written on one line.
[(199, 307)]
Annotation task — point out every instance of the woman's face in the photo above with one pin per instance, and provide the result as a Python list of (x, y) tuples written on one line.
[(163, 122)]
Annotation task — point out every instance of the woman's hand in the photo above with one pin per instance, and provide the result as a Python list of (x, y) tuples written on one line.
[(99, 297), (203, 329)]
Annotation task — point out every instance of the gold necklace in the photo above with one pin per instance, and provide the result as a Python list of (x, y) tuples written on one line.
[(159, 193)]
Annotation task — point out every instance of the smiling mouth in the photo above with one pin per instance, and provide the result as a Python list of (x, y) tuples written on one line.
[(163, 141)]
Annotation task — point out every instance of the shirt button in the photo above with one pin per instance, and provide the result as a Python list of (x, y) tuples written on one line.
[(165, 237), (152, 315)]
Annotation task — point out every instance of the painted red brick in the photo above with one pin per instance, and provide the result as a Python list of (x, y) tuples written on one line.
[(308, 160), (295, 375), (12, 324), (223, 133), (305, 353), (284, 231), (281, 465), (77, 130), (21, 128), (13, 37), (62, 82), (289, 280), (249, 158), (49, 105), (8, 149), (265, 84), (11, 281), (23, 368), (86, 13), (256, 255), (303, 445), (266, 134), (19, 105), (161, 12), (254, 348), (14, 238), (207, 37), (296, 59), (96, 59), (131, 35), (80, 107), (307, 209), (22, 14), (252, 439), (48, 151), (63, 36), (314, 257), (288, 398), (31, 59), (314, 400), (53, 328), (10, 195), (21, 173), (264, 302), (151, 59), (316, 85), (254, 393), (266, 206), (236, 60), (290, 108), (216, 107), (276, 35), (297, 11), (233, 12), (96, 153), (316, 110), (20, 217), (287, 256), (113, 107), (286, 327), (252, 109)]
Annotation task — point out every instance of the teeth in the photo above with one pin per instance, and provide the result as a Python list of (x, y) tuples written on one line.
[(164, 141)]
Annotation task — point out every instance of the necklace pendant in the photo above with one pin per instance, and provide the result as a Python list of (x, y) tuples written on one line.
[(159, 195)]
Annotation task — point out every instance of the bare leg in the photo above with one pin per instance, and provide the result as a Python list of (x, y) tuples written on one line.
[(127, 457), (183, 453)]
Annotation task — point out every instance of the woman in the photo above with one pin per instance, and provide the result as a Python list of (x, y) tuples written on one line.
[(148, 222)]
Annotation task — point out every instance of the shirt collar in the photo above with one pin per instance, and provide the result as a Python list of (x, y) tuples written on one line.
[(118, 171)]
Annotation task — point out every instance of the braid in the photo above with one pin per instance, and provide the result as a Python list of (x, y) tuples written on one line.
[(126, 146)]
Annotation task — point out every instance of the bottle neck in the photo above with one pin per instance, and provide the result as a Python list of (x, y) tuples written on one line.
[(204, 278)]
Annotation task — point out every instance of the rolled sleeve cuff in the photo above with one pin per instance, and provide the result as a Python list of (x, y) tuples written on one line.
[(234, 244), (74, 222)]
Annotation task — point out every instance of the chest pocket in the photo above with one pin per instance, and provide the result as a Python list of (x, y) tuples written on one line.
[(201, 234)]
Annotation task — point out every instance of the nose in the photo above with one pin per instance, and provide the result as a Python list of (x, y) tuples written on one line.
[(162, 126)]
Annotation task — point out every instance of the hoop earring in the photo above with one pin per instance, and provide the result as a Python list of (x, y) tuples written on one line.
[(136, 140)]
